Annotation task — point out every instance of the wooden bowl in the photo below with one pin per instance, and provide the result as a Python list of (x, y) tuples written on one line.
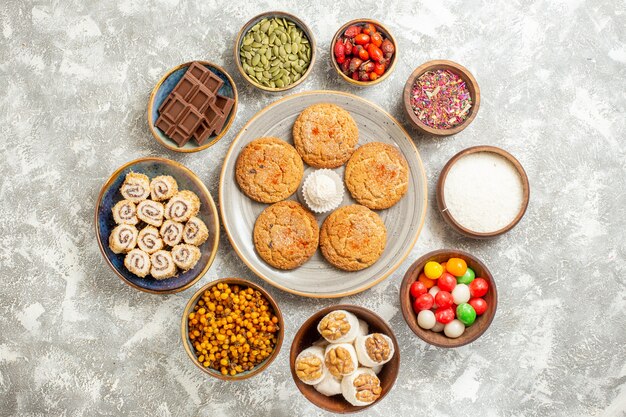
[(187, 180), (163, 89), (482, 322), (308, 334), (465, 75), (184, 328), (379, 27), (244, 30), (441, 202)]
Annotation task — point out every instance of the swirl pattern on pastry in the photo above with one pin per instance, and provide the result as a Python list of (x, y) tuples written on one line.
[(182, 206), (125, 212), (185, 256), (163, 188), (195, 232), (151, 212), (123, 238), (163, 265), (149, 240), (172, 232), (136, 187), (137, 262)]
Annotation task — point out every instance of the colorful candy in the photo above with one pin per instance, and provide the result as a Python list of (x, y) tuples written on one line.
[(467, 277), (478, 287), (448, 297), (461, 294), (466, 314), (446, 282), (454, 329), (433, 270)]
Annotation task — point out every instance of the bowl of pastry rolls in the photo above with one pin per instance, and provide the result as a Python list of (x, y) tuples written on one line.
[(157, 225)]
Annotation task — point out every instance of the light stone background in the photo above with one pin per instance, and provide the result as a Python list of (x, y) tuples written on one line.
[(74, 83)]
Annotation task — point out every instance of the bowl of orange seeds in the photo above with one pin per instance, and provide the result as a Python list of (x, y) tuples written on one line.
[(232, 329)]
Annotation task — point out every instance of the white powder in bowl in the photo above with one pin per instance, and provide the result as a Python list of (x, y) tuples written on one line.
[(483, 192)]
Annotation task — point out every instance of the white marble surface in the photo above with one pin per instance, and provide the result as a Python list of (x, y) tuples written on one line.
[(74, 83)]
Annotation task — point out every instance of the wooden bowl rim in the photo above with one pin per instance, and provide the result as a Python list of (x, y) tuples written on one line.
[(199, 183), (232, 114), (187, 343), (411, 318), (356, 310), (441, 202), (389, 36), (464, 73), (246, 27)]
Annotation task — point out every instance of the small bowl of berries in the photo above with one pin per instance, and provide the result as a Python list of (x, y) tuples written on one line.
[(363, 52), (448, 298)]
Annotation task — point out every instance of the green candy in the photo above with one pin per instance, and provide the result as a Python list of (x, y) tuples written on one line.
[(466, 314), (467, 277)]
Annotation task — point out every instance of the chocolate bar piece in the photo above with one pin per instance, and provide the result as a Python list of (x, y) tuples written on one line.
[(194, 109)]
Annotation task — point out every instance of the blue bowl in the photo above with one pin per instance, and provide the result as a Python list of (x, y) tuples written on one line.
[(187, 180), (163, 89)]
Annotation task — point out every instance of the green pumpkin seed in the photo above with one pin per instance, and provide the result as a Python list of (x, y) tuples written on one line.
[(283, 38), (296, 77), (294, 48), (296, 68), (286, 80), (250, 70), (265, 26), (247, 41), (256, 60), (292, 57), (288, 48), (256, 44), (272, 84), (279, 83), (264, 60), (282, 52)]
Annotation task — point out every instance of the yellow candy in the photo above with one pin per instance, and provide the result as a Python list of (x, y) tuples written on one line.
[(433, 270)]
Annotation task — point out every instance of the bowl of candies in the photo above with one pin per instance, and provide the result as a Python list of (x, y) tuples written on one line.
[(448, 298), (363, 52)]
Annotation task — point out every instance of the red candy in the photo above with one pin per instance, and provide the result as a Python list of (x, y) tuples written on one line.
[(446, 282), (478, 287), (417, 289), (423, 302), (443, 299), (479, 304), (444, 314)]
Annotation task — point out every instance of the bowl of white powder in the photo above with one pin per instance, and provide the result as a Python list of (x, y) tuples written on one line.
[(483, 192)]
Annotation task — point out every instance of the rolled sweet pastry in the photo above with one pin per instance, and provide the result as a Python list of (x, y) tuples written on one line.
[(182, 206), (172, 232), (151, 212), (163, 265), (185, 256), (195, 232), (149, 240), (137, 262), (136, 187), (163, 188), (125, 212), (123, 238)]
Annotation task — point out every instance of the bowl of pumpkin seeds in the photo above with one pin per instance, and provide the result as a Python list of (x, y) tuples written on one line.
[(275, 51)]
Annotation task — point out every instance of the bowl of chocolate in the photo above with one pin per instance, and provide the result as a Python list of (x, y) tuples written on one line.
[(192, 106)]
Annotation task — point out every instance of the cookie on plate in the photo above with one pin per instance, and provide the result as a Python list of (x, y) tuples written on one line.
[(286, 235), (269, 170), (377, 175), (353, 237), (325, 135)]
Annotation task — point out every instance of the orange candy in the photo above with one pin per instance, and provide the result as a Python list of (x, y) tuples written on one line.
[(429, 283), (456, 266)]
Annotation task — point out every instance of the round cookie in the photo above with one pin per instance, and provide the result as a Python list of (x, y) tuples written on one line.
[(286, 235), (269, 170), (377, 175), (325, 135), (353, 237)]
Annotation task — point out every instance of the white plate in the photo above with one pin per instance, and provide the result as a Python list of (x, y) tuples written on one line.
[(317, 278)]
